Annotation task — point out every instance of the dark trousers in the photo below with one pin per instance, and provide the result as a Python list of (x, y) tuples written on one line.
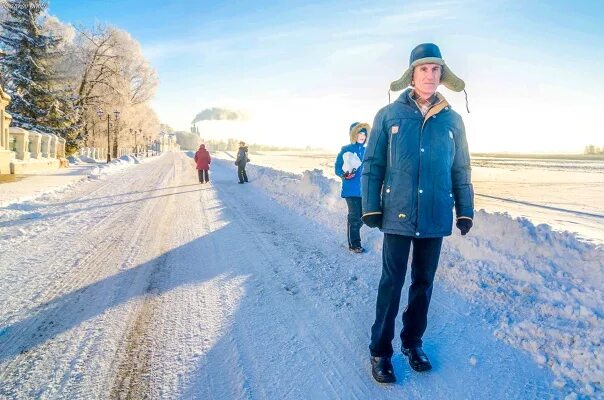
[(241, 173), (204, 175), (394, 267), (354, 221)]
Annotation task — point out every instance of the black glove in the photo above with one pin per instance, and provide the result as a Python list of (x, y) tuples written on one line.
[(373, 220), (464, 225)]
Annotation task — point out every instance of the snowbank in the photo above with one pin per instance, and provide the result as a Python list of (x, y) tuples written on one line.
[(118, 164), (39, 188), (79, 160), (540, 290)]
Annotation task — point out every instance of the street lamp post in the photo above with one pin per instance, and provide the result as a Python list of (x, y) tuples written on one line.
[(130, 129), (100, 113), (117, 116), (135, 147)]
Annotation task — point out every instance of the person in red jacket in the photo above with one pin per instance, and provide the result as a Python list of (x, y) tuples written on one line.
[(203, 160)]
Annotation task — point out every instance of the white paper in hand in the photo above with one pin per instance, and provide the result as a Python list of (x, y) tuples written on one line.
[(351, 161)]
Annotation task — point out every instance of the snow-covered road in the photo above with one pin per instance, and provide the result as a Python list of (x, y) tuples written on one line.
[(149, 285)]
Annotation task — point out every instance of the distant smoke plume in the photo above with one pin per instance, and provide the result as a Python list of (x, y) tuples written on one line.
[(220, 114)]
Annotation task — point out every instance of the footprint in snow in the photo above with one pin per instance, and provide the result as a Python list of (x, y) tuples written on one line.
[(291, 290)]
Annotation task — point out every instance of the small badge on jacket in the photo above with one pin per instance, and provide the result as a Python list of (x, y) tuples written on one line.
[(451, 134), (394, 129)]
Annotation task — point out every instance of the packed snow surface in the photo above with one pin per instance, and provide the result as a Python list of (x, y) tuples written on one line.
[(146, 284)]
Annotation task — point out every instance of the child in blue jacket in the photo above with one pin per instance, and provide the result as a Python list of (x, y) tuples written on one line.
[(349, 167)]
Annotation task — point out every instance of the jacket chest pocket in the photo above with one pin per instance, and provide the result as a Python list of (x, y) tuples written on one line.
[(394, 133), (442, 141), (403, 143), (451, 135)]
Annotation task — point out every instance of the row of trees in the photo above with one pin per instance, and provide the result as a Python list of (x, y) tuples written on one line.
[(591, 149), (60, 76)]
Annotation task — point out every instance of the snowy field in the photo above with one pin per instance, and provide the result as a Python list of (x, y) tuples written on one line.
[(145, 284)]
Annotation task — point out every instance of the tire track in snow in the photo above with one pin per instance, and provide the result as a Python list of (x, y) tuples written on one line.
[(56, 268), (53, 325), (277, 255), (133, 373), (133, 376), (91, 262)]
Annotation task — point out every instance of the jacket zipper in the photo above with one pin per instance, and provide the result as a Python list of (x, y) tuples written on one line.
[(421, 133), (390, 148)]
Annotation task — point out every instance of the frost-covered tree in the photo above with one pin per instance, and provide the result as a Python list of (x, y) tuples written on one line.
[(112, 74), (59, 76), (3, 17), (40, 100), (35, 43)]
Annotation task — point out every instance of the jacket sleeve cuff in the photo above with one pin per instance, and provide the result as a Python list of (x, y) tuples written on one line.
[(369, 214), (458, 218)]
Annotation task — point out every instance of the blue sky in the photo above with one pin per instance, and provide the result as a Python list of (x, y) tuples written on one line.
[(303, 70)]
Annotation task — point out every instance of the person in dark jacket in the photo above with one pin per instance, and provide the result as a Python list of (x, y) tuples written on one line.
[(203, 160), (416, 170), (349, 167), (241, 161)]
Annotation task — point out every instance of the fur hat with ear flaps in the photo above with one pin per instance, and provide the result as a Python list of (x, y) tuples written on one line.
[(356, 128), (428, 53)]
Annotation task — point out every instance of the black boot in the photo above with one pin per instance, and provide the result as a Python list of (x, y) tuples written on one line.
[(381, 369), (417, 359)]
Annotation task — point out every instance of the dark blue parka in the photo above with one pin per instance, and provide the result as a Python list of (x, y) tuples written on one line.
[(417, 168), (350, 187)]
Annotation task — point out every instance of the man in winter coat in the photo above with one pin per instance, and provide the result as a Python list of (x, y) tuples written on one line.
[(241, 161), (203, 160), (349, 167), (416, 170)]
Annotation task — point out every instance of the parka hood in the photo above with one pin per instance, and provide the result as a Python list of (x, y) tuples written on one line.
[(356, 128)]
